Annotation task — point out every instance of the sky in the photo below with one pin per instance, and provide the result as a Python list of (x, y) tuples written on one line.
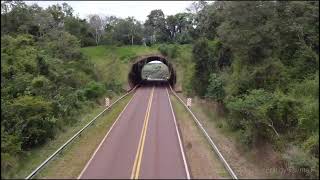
[(123, 9)]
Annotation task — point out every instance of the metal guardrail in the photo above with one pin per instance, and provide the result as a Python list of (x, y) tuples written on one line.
[(34, 172), (226, 165)]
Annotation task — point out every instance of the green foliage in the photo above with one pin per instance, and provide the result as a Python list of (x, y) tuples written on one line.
[(80, 29), (62, 45), (39, 82), (203, 65), (311, 145), (271, 114), (271, 87), (33, 118), (172, 51), (128, 31), (156, 26), (184, 38), (215, 89), (300, 162), (40, 73), (94, 90)]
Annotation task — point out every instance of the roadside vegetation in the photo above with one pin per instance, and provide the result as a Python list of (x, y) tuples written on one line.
[(267, 85), (260, 66)]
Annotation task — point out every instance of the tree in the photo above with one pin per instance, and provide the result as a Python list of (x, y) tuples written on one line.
[(179, 27), (57, 13), (128, 31), (172, 26), (44, 22), (15, 17), (196, 7), (67, 9), (203, 65), (156, 25), (79, 28), (96, 27), (208, 19)]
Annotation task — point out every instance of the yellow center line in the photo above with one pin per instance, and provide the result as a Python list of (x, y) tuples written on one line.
[(138, 158)]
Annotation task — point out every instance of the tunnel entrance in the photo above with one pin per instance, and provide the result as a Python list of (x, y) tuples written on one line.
[(136, 75)]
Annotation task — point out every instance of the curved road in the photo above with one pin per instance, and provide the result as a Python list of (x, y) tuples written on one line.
[(144, 141)]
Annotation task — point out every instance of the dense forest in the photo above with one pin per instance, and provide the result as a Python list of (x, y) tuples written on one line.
[(258, 60)]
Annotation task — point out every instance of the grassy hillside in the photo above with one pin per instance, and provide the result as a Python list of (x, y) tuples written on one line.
[(181, 58), (112, 63)]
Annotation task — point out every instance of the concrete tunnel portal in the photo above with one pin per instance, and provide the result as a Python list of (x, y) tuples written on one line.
[(134, 76)]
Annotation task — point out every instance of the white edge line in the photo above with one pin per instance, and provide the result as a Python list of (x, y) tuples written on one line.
[(105, 137), (180, 143)]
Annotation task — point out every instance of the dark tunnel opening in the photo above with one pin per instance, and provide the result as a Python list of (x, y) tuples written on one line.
[(134, 76)]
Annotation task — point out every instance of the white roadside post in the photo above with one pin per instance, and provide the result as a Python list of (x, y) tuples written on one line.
[(189, 102), (107, 102)]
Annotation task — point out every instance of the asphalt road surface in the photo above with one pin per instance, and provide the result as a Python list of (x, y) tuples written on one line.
[(144, 141)]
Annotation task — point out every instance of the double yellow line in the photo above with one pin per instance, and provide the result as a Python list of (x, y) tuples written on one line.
[(137, 161)]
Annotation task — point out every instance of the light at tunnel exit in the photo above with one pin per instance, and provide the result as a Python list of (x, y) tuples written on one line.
[(155, 70)]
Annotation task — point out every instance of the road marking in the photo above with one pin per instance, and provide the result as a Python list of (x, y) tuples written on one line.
[(179, 139), (137, 161), (86, 166)]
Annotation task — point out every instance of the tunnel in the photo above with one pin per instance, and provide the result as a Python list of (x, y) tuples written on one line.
[(134, 76)]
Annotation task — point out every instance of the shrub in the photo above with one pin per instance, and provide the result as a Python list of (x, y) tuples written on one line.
[(311, 145), (171, 51), (94, 90), (300, 162), (34, 121), (215, 89), (249, 112), (39, 82), (163, 49), (184, 38)]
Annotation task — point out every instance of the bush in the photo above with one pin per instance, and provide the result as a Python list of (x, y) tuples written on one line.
[(282, 110), (246, 114), (94, 90), (34, 121), (171, 51), (215, 89), (62, 45), (163, 49), (300, 162), (311, 145), (267, 114), (184, 38), (39, 82)]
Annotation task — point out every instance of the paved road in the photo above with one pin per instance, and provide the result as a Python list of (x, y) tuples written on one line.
[(143, 143)]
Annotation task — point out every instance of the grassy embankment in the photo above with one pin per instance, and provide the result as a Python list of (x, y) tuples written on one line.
[(112, 63)]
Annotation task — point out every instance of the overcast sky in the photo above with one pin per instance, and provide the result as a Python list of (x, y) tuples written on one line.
[(123, 9)]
